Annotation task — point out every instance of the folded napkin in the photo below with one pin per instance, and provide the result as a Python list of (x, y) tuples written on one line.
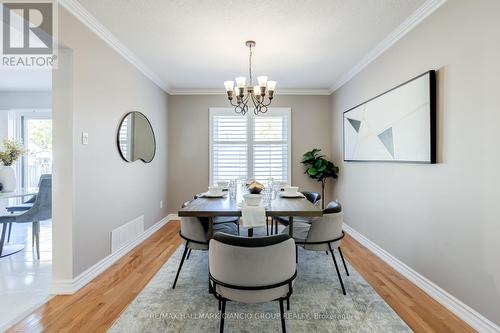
[(253, 216), (295, 195)]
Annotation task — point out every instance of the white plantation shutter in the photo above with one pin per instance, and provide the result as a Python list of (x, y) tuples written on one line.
[(270, 148), (125, 137), (229, 149), (250, 146)]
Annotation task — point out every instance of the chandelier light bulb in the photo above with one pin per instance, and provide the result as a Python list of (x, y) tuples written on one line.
[(262, 81), (271, 85), (229, 85), (256, 90), (240, 81)]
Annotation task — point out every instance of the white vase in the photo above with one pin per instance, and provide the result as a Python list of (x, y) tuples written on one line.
[(8, 178)]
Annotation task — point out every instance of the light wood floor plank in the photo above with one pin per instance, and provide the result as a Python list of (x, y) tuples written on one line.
[(96, 306)]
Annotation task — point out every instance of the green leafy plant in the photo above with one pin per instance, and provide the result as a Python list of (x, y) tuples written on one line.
[(320, 169), (12, 150)]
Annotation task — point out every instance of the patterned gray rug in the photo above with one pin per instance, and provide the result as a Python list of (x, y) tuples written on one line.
[(317, 303)]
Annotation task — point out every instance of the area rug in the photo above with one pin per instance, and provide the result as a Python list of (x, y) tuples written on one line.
[(317, 303)]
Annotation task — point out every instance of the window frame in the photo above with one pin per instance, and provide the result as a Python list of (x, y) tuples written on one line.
[(272, 112)]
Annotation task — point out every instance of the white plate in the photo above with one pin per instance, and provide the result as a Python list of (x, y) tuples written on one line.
[(291, 195), (207, 195)]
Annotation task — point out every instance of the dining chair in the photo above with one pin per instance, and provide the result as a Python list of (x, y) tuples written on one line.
[(312, 197), (22, 207), (41, 211), (323, 234), (252, 270), (195, 236), (222, 219)]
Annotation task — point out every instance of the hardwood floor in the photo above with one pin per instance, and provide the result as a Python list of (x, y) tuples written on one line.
[(96, 306)]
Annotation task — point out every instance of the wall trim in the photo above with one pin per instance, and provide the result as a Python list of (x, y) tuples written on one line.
[(71, 286), (75, 8), (284, 91), (460, 309), (409, 24)]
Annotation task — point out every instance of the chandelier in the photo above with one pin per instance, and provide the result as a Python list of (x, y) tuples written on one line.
[(254, 94)]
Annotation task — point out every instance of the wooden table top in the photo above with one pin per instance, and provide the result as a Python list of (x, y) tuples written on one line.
[(210, 207)]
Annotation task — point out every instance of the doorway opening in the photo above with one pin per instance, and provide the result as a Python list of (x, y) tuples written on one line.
[(26, 253)]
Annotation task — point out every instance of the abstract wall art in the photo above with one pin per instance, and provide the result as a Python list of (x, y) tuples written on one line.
[(396, 126)]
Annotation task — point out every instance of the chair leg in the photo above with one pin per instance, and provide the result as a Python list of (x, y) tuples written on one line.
[(10, 231), (33, 235), (282, 316), (189, 254), (180, 265), (2, 238), (288, 303), (343, 261), (296, 254), (337, 269), (222, 314), (276, 227), (267, 226)]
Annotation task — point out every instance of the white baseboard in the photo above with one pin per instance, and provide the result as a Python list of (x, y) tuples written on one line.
[(460, 309), (69, 287)]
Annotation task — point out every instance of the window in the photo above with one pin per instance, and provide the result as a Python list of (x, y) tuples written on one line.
[(256, 147), (34, 129)]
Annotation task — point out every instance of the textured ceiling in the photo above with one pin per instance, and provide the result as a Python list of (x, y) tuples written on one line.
[(200, 43)]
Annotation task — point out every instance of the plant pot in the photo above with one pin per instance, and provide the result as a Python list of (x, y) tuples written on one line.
[(8, 178)]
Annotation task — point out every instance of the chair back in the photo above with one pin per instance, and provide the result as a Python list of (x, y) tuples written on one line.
[(328, 227), (42, 207), (312, 197), (252, 262), (192, 229)]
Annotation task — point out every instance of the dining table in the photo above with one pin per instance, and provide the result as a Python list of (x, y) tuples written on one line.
[(19, 193), (228, 206)]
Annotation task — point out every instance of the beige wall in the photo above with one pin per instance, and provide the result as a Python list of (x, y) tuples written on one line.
[(188, 171), (107, 192), (442, 220)]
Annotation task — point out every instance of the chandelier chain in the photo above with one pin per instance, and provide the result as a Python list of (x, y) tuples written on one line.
[(250, 66)]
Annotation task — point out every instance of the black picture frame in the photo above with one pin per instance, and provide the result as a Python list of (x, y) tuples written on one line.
[(432, 121)]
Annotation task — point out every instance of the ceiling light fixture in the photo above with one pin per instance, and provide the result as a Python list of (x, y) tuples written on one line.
[(257, 95)]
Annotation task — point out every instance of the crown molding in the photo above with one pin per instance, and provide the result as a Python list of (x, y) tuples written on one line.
[(284, 91), (411, 22), (75, 8)]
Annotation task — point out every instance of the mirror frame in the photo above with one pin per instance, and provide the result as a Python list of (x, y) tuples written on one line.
[(118, 137)]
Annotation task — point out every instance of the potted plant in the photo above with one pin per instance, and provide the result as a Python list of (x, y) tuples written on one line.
[(12, 150), (320, 169)]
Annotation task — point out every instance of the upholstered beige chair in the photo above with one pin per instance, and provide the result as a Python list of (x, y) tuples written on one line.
[(195, 236), (312, 197), (252, 270), (322, 234)]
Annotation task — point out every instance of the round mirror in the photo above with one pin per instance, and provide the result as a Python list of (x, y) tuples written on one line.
[(135, 138)]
